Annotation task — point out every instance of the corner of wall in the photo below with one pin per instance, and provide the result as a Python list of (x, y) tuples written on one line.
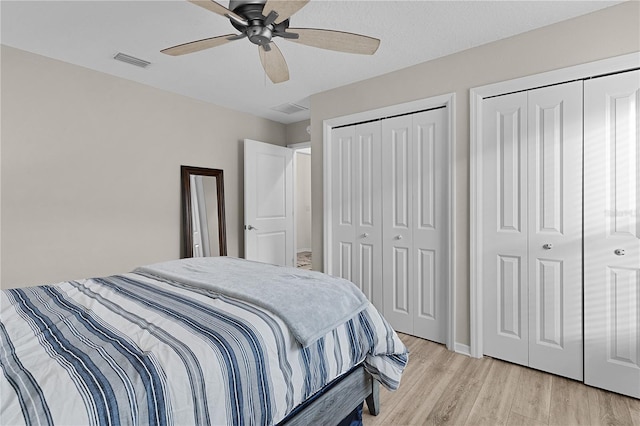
[(297, 132)]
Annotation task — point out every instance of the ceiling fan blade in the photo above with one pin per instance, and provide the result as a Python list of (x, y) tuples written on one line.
[(284, 8), (336, 40), (196, 46), (215, 7), (274, 64)]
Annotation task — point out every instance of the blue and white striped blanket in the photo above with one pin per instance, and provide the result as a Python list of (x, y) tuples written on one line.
[(137, 349)]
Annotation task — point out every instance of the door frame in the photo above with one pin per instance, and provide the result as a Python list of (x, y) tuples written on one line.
[(477, 94), (447, 100)]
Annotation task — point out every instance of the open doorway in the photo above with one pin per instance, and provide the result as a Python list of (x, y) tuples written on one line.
[(302, 201)]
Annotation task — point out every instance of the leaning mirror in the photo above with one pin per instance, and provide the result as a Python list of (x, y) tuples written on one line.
[(203, 224)]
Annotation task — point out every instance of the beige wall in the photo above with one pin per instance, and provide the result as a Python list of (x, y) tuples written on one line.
[(90, 169), (297, 132), (603, 34)]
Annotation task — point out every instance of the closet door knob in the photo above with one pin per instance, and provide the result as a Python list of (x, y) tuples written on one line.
[(547, 246), (619, 252), (398, 237), (365, 235)]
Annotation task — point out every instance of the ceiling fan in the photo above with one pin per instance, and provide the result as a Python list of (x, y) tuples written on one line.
[(262, 20)]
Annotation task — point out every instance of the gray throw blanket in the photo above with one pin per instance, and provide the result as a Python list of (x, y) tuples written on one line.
[(310, 303)]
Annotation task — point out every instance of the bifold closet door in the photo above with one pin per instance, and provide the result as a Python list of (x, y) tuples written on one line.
[(555, 229), (505, 228), (414, 171), (356, 208), (612, 233), (397, 232), (532, 228)]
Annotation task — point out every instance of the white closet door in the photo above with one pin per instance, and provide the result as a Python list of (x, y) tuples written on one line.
[(429, 225), (612, 233), (555, 229), (343, 203), (368, 211), (414, 182), (397, 231), (356, 208), (505, 228)]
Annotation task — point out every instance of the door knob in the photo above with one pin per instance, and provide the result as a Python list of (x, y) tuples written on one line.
[(547, 246), (250, 227), (365, 235), (619, 252), (398, 237)]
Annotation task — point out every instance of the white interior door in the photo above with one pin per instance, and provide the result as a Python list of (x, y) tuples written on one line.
[(555, 229), (268, 203), (397, 134), (356, 233), (612, 233), (414, 175), (430, 223), (368, 211), (343, 232), (505, 228), (532, 228)]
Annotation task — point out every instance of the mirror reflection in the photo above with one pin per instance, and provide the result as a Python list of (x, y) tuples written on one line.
[(203, 212)]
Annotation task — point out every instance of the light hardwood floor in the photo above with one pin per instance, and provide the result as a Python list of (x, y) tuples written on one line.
[(440, 387)]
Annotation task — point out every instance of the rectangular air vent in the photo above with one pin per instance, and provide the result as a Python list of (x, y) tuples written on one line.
[(131, 60), (289, 108)]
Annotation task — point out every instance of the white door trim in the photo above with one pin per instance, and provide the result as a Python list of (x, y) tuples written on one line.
[(299, 145), (446, 100), (477, 94)]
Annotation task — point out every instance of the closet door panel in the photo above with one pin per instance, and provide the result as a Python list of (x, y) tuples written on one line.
[(368, 211), (555, 229), (430, 132), (612, 233), (343, 211), (504, 228), (398, 262), (344, 266)]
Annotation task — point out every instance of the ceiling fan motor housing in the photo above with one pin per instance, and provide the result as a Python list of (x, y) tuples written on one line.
[(257, 32)]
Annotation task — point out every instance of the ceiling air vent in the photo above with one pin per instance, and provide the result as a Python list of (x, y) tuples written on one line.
[(131, 60), (289, 108)]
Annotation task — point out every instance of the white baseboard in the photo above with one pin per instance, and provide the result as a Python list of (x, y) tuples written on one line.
[(300, 250), (462, 349)]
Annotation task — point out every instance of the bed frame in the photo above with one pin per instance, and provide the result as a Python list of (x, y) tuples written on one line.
[(338, 400)]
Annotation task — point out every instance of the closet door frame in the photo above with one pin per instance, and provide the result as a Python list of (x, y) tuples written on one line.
[(446, 100), (477, 95)]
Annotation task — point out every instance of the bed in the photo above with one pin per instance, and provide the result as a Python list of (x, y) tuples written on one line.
[(197, 341)]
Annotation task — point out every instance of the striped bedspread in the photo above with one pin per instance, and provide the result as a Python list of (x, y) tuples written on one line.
[(134, 349)]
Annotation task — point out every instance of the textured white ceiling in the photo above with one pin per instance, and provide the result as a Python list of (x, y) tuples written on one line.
[(89, 33)]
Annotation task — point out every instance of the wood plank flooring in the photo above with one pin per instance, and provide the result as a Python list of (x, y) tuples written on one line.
[(440, 387)]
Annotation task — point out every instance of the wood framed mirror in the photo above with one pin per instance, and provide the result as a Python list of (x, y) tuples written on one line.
[(203, 222)]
